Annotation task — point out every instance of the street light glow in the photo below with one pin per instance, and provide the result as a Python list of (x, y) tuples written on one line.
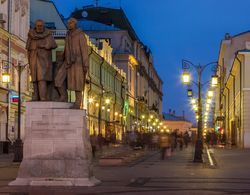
[(195, 107), (193, 101), (91, 100), (6, 78), (214, 81), (107, 101), (210, 93), (186, 78)]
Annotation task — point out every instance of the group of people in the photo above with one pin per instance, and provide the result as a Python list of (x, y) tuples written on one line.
[(166, 142), (98, 141), (214, 138)]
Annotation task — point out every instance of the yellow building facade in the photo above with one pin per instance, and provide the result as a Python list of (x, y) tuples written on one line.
[(232, 110), (14, 26)]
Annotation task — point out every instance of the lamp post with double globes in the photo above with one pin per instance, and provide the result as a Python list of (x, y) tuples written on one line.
[(18, 145), (186, 78)]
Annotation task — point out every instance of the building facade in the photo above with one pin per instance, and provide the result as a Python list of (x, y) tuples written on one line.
[(232, 112), (14, 26), (130, 54)]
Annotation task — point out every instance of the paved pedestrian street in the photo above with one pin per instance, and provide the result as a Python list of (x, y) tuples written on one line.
[(150, 175)]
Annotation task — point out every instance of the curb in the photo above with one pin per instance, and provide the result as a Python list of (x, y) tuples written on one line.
[(211, 160)]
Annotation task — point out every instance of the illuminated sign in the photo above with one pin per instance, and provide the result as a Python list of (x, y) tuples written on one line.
[(14, 99)]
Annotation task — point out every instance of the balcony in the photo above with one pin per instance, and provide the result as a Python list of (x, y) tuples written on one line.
[(59, 33)]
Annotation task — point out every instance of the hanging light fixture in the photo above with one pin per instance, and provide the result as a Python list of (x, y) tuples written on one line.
[(190, 93), (186, 78)]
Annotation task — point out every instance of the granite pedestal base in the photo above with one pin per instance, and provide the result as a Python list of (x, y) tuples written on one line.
[(57, 150)]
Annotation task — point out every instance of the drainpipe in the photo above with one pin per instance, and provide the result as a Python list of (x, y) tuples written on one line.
[(115, 100), (9, 59), (228, 94), (221, 82), (100, 101), (241, 109), (123, 103), (233, 90), (224, 112)]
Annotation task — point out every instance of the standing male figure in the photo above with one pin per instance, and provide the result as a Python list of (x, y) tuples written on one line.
[(39, 45), (76, 60)]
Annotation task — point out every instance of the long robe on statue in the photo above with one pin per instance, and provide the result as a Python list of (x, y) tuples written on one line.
[(39, 46), (76, 57)]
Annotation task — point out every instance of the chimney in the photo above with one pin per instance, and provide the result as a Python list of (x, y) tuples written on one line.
[(227, 36), (174, 112), (170, 111)]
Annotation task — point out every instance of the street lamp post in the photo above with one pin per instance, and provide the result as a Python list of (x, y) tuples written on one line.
[(187, 80), (18, 145)]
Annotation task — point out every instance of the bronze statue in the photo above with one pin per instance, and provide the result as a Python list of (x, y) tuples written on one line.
[(39, 45), (75, 65)]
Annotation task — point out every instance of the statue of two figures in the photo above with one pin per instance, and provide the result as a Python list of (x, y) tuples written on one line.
[(72, 67)]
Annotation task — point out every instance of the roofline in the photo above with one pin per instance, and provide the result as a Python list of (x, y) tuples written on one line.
[(136, 36), (221, 42), (123, 13), (156, 73), (239, 34), (232, 37)]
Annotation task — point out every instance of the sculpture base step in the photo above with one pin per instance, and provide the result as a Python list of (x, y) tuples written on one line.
[(55, 182)]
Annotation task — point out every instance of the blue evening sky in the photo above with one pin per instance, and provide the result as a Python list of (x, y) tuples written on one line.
[(177, 29)]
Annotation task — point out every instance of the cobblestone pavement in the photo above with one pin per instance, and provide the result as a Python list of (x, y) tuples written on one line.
[(150, 175)]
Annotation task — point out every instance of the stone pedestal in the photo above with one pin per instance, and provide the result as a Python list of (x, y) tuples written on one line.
[(57, 150)]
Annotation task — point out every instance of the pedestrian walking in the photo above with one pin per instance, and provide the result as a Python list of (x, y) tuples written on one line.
[(173, 141), (165, 144), (100, 140), (180, 140), (155, 141), (94, 142), (186, 138)]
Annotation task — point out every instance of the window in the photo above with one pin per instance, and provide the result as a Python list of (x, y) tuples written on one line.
[(50, 25)]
